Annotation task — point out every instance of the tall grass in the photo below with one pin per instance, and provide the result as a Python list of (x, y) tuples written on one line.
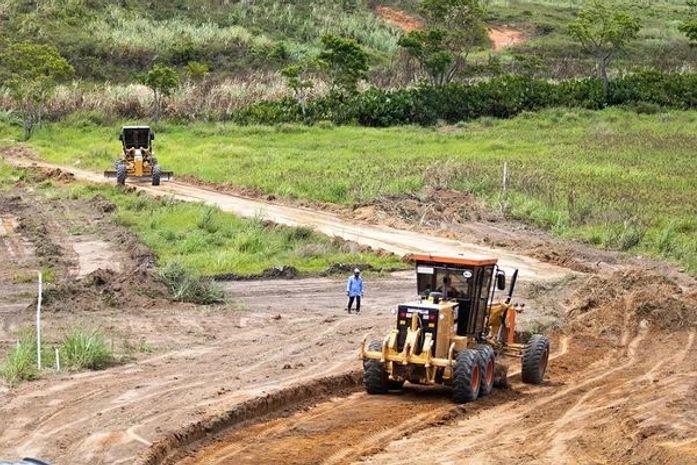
[(132, 32), (79, 349), (218, 100), (20, 363), (85, 348)]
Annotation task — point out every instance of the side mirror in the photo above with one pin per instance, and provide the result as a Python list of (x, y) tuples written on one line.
[(500, 281), (121, 136), (152, 136)]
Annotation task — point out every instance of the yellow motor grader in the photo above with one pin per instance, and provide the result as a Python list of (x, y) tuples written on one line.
[(138, 160), (453, 332)]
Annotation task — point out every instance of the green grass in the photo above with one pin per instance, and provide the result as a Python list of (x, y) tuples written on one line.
[(614, 178), (186, 287), (116, 40), (205, 241)]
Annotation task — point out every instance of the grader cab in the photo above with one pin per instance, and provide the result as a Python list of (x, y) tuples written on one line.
[(453, 332), (137, 160)]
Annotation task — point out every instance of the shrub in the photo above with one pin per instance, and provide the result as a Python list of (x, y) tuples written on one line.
[(185, 287)]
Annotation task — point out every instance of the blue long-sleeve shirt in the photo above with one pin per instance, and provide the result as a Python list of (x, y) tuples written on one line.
[(354, 287)]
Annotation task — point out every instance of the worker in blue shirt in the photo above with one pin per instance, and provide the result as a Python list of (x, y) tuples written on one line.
[(354, 290)]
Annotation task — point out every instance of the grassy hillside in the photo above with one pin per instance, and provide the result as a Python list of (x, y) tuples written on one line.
[(115, 41), (660, 44), (613, 178)]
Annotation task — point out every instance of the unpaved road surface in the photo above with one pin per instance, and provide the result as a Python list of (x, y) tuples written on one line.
[(379, 237)]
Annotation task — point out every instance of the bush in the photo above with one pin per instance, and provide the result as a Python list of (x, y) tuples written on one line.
[(83, 348), (500, 97), (185, 287)]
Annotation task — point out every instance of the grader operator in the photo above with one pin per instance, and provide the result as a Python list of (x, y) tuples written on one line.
[(453, 332)]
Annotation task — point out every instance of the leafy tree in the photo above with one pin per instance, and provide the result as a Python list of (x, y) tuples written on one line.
[(604, 29), (31, 72), (455, 28), (689, 27), (345, 61), (162, 80), (296, 77)]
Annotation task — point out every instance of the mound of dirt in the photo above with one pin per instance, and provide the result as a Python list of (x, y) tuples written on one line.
[(134, 288), (565, 258), (41, 174), (430, 207), (175, 445), (35, 227), (605, 303), (504, 36)]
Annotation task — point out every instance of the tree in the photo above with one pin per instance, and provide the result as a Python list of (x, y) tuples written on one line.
[(604, 29), (162, 80), (455, 28), (296, 77), (345, 61), (31, 72), (689, 27)]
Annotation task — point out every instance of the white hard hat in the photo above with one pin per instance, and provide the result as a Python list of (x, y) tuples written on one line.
[(356, 270)]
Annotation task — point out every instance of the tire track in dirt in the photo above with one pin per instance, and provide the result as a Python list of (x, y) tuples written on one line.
[(341, 430)]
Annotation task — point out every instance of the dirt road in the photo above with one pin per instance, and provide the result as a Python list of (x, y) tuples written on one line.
[(621, 391), (379, 237)]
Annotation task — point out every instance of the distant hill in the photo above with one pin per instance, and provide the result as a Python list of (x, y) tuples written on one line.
[(116, 40)]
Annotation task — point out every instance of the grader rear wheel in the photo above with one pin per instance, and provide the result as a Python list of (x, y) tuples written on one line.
[(374, 377), (486, 367), (121, 174), (156, 175), (535, 358), (467, 377)]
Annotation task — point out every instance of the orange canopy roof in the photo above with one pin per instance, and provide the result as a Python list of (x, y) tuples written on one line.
[(451, 259)]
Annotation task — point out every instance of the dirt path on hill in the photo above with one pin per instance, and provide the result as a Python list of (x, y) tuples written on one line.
[(376, 236)]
